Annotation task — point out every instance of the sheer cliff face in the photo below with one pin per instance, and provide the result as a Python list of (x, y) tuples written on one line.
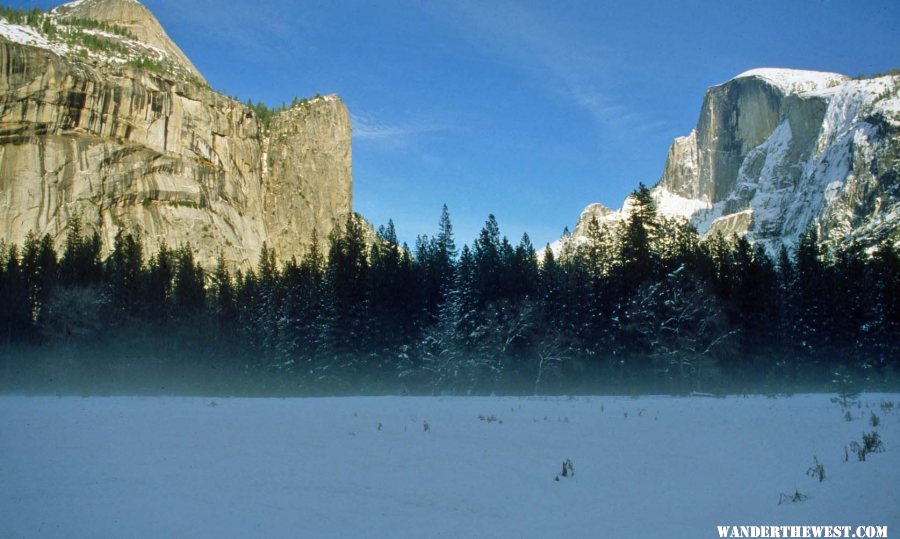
[(777, 151), (128, 150), (308, 173)]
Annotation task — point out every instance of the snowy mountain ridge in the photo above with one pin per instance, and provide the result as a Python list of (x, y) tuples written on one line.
[(105, 33), (794, 80), (777, 151)]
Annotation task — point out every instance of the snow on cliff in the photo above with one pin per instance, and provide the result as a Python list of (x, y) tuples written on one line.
[(105, 32), (795, 80), (769, 160)]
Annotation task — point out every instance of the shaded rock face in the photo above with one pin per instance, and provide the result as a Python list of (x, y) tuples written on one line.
[(772, 160), (736, 118), (130, 151), (682, 173)]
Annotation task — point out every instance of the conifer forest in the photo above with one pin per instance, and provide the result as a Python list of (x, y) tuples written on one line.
[(645, 307)]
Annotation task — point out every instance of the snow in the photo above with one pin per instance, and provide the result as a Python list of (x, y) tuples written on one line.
[(69, 5), (366, 467), (795, 80), (787, 191), (27, 35), (21, 34), (76, 3), (673, 205)]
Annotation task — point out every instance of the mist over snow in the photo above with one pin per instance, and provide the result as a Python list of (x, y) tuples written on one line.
[(439, 467)]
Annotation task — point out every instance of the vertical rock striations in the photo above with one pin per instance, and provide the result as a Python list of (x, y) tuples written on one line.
[(133, 150), (308, 184)]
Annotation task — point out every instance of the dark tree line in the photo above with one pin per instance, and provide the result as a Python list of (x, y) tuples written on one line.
[(647, 307)]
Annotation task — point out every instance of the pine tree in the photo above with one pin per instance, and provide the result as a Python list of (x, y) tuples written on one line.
[(639, 262), (188, 290), (387, 294), (222, 294), (304, 315), (523, 271), (347, 276), (444, 252), (886, 324), (39, 270), (551, 289), (267, 305), (158, 285), (487, 263), (125, 274), (597, 261), (15, 316), (809, 297), (80, 263)]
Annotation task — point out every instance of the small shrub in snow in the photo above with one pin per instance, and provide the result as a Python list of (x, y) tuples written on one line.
[(887, 407), (380, 425), (871, 444), (425, 426), (817, 471), (847, 416), (792, 498), (568, 469), (874, 420), (845, 385), (858, 449), (489, 418)]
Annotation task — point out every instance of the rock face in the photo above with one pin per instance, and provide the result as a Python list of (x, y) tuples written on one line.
[(128, 149), (307, 182), (132, 16), (776, 151)]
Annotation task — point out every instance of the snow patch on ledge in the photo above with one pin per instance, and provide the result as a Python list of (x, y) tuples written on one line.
[(795, 80), (672, 205)]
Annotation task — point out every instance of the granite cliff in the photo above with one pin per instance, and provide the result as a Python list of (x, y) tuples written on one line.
[(127, 135), (777, 151)]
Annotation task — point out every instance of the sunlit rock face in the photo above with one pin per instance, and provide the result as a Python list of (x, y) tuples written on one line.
[(160, 153), (135, 18), (308, 183), (778, 151)]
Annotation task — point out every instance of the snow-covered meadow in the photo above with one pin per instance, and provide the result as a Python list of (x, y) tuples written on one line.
[(438, 467)]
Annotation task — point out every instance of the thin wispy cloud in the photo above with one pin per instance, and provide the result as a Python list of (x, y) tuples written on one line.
[(238, 25), (367, 127), (571, 65)]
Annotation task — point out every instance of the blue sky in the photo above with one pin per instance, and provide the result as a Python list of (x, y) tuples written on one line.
[(526, 109)]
